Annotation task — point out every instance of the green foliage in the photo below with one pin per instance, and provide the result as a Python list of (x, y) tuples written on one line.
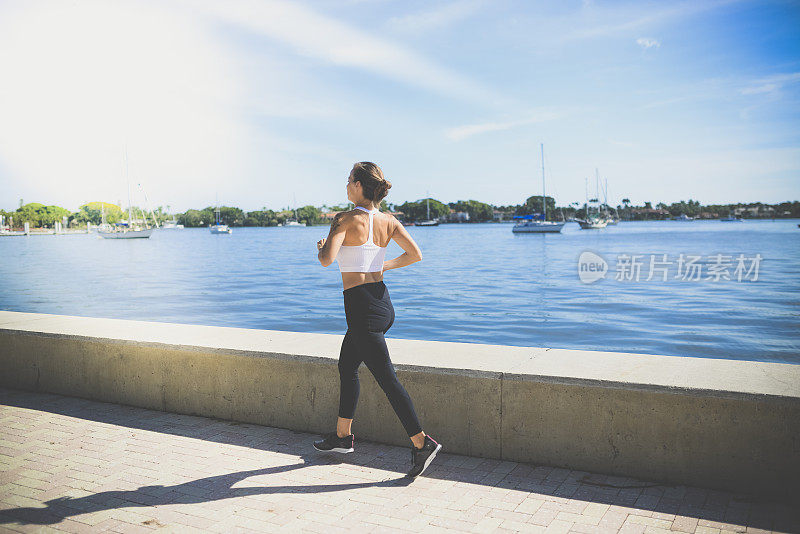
[(308, 214), (416, 211), (92, 212), (39, 215), (263, 217), (691, 208), (206, 217), (533, 205), (195, 218), (478, 211)]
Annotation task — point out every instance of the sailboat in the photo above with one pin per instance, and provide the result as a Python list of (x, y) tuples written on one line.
[(127, 230), (733, 218), (293, 221), (428, 221), (592, 222), (218, 227), (529, 224), (171, 225), (611, 218)]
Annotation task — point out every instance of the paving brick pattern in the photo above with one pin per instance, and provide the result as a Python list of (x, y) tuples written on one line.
[(72, 465)]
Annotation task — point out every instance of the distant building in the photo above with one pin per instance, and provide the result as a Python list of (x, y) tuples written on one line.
[(755, 211), (498, 215), (457, 216)]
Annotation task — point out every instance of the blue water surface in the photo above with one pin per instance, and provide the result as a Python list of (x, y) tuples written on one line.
[(477, 283)]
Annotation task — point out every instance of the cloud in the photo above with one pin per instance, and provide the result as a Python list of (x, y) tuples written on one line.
[(770, 85), (460, 133), (436, 18), (646, 43), (323, 38), (625, 21)]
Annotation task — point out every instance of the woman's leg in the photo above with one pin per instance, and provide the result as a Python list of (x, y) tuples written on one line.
[(376, 356), (349, 387)]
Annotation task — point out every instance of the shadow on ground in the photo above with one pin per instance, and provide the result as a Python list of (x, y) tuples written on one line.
[(761, 513)]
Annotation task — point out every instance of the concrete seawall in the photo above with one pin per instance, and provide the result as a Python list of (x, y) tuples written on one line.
[(725, 424)]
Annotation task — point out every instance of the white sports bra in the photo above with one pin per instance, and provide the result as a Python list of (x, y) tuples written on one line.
[(366, 258)]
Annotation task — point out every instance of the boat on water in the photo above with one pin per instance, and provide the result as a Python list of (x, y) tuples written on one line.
[(171, 225), (682, 217), (126, 229), (429, 221), (537, 224), (218, 227), (594, 221), (122, 231), (611, 217), (292, 221), (733, 218)]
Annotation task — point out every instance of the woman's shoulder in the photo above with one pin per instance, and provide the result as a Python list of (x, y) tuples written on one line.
[(354, 214)]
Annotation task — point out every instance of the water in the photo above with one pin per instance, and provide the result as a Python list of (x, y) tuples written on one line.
[(477, 283)]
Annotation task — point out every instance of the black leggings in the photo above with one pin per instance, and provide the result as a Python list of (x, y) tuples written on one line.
[(370, 314)]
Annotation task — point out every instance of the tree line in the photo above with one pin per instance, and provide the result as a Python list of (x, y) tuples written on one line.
[(40, 215)]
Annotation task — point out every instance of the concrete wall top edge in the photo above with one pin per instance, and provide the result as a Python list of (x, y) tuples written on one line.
[(604, 369)]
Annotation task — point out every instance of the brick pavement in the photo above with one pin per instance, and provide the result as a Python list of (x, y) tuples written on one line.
[(72, 465)]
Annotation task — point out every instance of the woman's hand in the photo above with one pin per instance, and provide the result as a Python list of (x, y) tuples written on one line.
[(320, 244)]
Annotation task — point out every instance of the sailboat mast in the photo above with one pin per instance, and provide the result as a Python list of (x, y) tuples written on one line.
[(586, 196), (597, 188), (427, 204), (127, 178), (544, 202)]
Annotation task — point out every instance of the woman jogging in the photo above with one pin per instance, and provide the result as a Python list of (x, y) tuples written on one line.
[(358, 241)]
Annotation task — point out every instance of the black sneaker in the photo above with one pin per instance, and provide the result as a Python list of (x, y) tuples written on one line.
[(333, 443), (421, 458)]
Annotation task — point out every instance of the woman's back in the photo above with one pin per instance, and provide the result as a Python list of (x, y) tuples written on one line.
[(360, 251), (357, 226)]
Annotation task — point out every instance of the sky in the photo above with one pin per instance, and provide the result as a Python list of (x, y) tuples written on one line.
[(269, 103)]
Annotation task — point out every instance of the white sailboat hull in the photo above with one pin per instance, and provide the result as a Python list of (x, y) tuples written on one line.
[(126, 234), (427, 223), (220, 229), (538, 227), (592, 224)]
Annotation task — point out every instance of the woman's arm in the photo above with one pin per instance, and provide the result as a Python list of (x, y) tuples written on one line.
[(412, 252), (329, 247)]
